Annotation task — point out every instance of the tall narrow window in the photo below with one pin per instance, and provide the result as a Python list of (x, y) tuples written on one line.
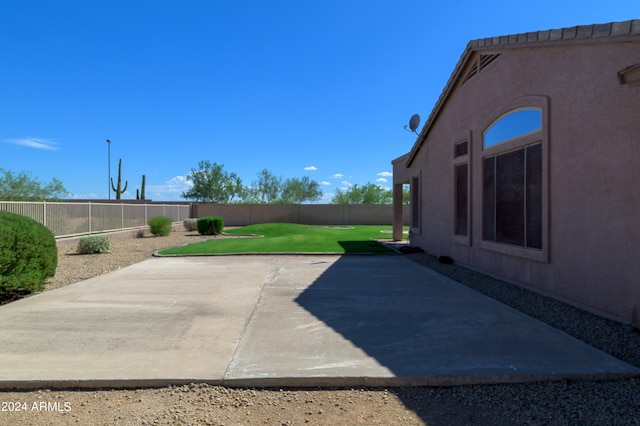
[(461, 190), (415, 202), (461, 201)]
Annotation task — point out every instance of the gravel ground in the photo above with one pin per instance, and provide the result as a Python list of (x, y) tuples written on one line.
[(613, 402)]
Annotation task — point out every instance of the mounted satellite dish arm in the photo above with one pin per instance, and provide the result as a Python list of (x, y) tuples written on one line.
[(414, 122)]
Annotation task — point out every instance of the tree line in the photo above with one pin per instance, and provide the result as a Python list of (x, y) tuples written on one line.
[(211, 183), (22, 186)]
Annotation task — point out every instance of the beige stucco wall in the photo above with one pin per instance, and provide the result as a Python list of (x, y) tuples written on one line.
[(313, 214), (592, 152)]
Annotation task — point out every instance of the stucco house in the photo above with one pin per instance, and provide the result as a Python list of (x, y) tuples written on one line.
[(528, 167)]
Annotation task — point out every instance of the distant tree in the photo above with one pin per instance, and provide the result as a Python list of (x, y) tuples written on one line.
[(298, 191), (268, 187), (211, 183), (406, 194), (368, 193), (271, 189), (22, 187)]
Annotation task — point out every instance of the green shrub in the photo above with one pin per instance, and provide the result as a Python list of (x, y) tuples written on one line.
[(160, 225), (190, 224), (28, 253), (210, 225), (94, 244)]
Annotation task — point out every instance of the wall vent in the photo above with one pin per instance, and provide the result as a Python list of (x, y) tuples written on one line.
[(481, 62)]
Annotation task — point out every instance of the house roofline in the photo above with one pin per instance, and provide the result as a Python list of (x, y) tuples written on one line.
[(401, 159), (570, 35)]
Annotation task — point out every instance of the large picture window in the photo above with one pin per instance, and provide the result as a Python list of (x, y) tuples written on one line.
[(512, 197), (512, 179)]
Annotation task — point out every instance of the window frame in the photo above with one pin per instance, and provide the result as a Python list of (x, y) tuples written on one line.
[(518, 215), (415, 204), (512, 138), (462, 160), (541, 136)]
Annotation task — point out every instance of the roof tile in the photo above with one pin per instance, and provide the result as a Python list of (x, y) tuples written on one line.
[(569, 33), (620, 28), (531, 37), (584, 31), (544, 35), (601, 30), (555, 35)]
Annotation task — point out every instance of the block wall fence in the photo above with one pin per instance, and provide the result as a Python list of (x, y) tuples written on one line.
[(72, 219), (310, 214)]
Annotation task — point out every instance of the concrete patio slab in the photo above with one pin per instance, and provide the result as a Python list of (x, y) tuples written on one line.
[(281, 321)]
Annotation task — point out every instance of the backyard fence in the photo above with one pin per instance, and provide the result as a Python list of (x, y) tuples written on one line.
[(67, 219), (312, 214)]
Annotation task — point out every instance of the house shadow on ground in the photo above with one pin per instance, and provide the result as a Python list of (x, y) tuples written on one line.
[(404, 321)]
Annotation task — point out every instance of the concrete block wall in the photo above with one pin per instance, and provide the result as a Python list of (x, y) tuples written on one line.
[(311, 214)]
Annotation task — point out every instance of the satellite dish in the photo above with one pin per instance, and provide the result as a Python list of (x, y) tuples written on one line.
[(414, 122)]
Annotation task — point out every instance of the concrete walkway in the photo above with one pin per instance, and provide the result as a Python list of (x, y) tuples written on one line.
[(281, 321)]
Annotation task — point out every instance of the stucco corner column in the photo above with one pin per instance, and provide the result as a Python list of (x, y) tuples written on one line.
[(397, 212)]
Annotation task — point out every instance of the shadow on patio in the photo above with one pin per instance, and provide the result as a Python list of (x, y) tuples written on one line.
[(421, 328)]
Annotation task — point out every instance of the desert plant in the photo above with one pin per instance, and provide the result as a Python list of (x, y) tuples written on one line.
[(28, 253), (139, 193), (119, 190), (94, 244), (210, 225), (190, 224), (160, 225)]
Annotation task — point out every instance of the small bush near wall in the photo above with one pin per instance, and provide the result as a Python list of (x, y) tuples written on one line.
[(28, 253), (210, 225), (190, 224), (94, 244), (160, 226)]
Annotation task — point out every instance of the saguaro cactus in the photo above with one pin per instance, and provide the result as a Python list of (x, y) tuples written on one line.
[(142, 190), (140, 195), (119, 190)]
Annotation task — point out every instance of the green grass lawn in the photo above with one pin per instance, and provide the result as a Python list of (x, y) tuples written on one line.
[(293, 238)]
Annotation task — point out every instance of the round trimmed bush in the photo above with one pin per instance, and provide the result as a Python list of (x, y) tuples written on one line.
[(160, 225), (210, 225), (94, 244), (190, 224), (28, 253)]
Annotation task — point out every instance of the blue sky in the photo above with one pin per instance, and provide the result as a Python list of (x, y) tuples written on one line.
[(318, 88)]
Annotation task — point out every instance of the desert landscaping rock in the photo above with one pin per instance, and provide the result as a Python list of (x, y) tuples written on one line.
[(614, 402)]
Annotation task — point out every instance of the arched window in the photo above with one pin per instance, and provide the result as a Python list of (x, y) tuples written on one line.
[(512, 125), (512, 197)]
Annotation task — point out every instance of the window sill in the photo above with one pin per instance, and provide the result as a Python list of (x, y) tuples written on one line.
[(516, 251), (462, 240)]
